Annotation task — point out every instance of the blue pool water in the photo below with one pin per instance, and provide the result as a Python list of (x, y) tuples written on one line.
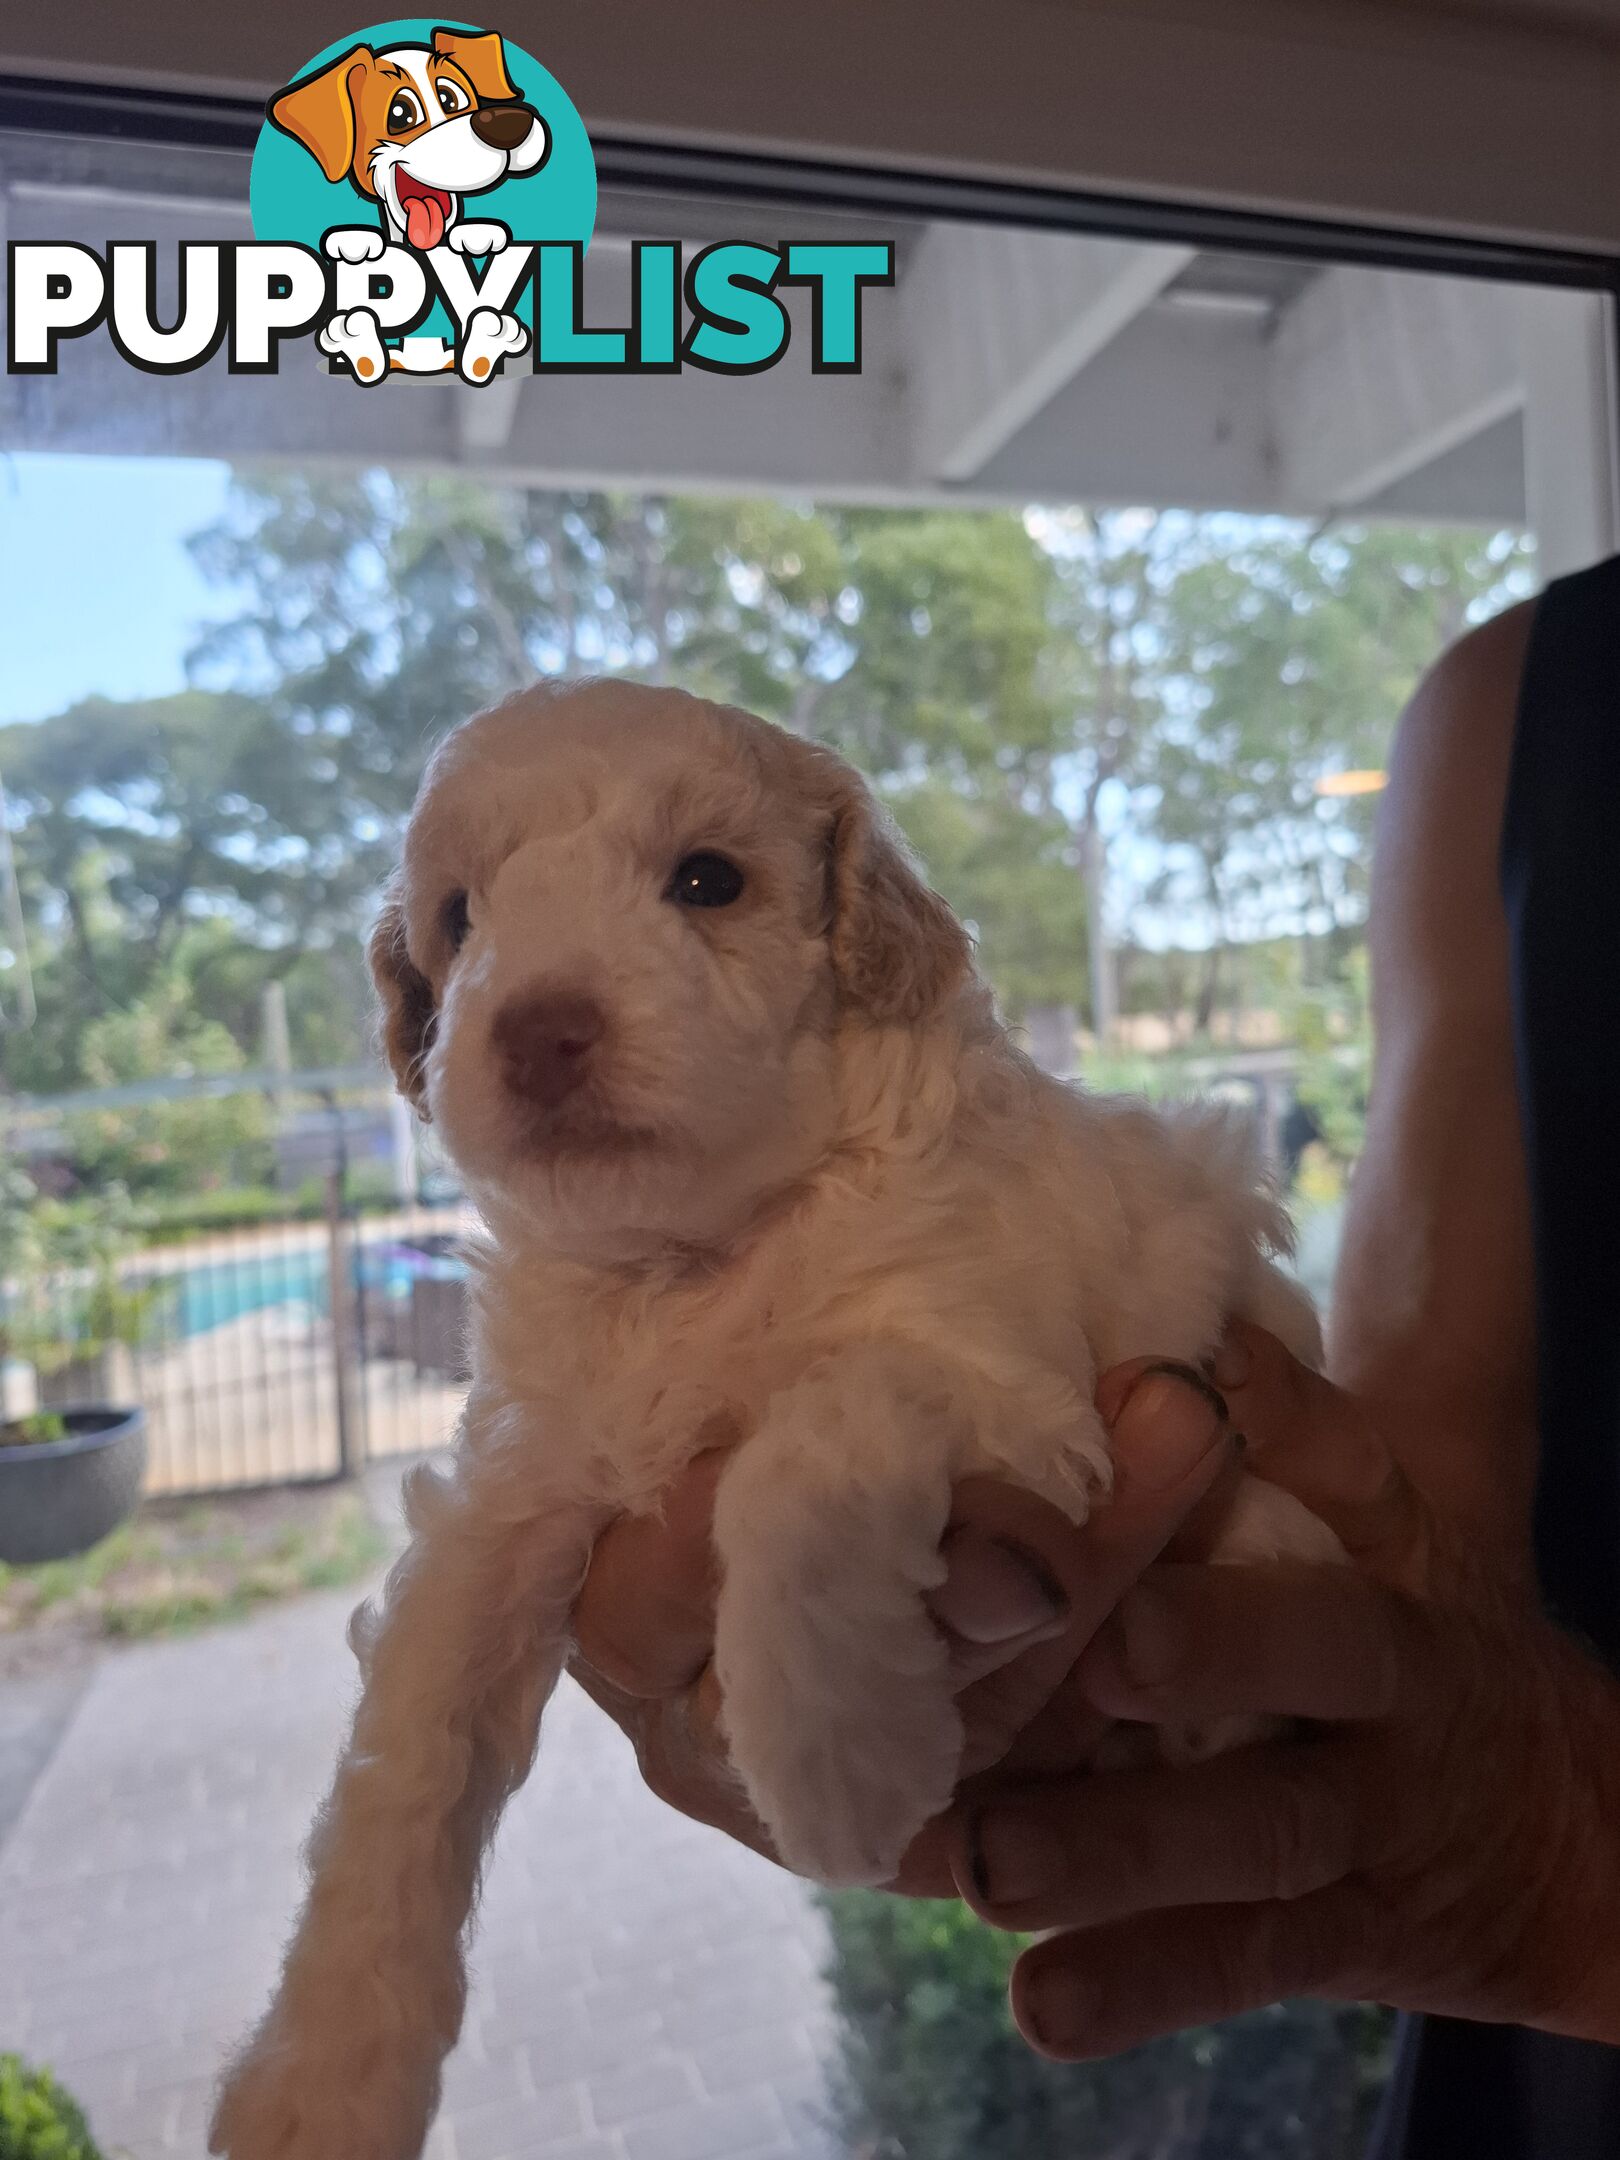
[(226, 1289), (217, 1291)]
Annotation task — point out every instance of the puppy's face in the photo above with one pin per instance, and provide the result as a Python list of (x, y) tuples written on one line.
[(631, 931), (417, 127)]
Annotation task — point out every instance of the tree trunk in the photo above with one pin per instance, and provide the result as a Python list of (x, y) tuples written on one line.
[(1099, 953), (1208, 988)]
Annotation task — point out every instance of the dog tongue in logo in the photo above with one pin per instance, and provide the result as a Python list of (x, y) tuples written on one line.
[(426, 211)]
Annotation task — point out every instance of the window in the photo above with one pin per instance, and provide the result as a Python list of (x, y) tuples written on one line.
[(1112, 567)]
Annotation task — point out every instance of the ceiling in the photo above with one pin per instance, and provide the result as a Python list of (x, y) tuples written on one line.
[(1007, 366)]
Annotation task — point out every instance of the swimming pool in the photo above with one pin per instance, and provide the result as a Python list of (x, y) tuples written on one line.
[(215, 1292)]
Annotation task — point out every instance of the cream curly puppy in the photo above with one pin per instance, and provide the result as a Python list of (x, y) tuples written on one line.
[(756, 1162)]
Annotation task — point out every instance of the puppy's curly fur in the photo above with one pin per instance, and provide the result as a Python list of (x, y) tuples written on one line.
[(806, 1191)]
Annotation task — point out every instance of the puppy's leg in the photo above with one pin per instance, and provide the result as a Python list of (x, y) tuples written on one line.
[(458, 1665), (838, 1705)]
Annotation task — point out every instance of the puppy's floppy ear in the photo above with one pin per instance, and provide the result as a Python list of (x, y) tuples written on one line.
[(898, 952), (319, 111), (409, 1009), (481, 58)]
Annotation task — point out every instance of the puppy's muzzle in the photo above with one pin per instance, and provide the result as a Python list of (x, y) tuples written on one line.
[(503, 127), (546, 1044)]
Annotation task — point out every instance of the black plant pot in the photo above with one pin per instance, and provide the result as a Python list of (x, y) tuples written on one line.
[(60, 1497)]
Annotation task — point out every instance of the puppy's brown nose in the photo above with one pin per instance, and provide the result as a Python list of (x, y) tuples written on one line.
[(503, 127), (544, 1042)]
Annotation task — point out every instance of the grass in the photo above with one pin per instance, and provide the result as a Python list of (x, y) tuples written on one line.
[(182, 1565)]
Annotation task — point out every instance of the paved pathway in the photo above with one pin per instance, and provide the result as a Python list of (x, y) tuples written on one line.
[(643, 1991)]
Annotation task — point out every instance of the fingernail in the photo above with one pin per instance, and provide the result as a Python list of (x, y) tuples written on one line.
[(1171, 1420), (1231, 1364), (995, 1590), (1012, 1857), (1059, 2006), (1153, 1640), (1190, 1376)]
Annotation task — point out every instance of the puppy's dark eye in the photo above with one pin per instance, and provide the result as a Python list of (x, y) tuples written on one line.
[(455, 920), (452, 98), (403, 112), (706, 880)]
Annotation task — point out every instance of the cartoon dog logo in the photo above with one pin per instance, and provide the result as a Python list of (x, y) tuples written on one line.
[(416, 129)]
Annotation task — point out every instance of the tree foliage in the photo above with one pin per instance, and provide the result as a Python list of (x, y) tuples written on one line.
[(930, 2066), (39, 2120), (1099, 731)]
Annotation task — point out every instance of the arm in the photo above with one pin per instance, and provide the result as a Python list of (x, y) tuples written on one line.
[(1433, 1322)]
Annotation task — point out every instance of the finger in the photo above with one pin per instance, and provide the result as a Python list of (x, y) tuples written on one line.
[(1189, 1644), (626, 1711), (1170, 1445), (688, 1764), (926, 1870), (680, 1755), (1077, 1997), (645, 1617), (1060, 1739), (1077, 1852), (1001, 1590), (1315, 1441)]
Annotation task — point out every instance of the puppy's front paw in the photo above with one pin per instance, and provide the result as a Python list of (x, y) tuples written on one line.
[(354, 244), (478, 238), (844, 1791), (836, 1684)]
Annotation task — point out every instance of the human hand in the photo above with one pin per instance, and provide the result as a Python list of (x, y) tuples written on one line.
[(1445, 1837), (1024, 1593)]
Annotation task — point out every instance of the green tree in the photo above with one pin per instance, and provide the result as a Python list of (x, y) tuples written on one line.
[(1286, 660), (380, 610), (188, 1144), (934, 685), (1098, 730), (39, 2120), (930, 2067)]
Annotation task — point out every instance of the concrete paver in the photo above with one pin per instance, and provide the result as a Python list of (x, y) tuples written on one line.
[(643, 1989)]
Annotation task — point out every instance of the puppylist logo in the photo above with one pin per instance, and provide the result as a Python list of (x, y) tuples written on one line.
[(422, 197)]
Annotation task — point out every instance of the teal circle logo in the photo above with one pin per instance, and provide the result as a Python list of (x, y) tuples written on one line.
[(437, 139)]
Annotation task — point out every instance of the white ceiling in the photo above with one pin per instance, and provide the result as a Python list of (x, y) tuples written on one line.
[(1007, 366)]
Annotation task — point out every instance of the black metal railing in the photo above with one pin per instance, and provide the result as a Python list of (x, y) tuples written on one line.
[(273, 1335)]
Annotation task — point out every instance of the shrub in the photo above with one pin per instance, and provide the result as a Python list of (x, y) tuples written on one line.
[(38, 2120), (70, 1298), (931, 2067)]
